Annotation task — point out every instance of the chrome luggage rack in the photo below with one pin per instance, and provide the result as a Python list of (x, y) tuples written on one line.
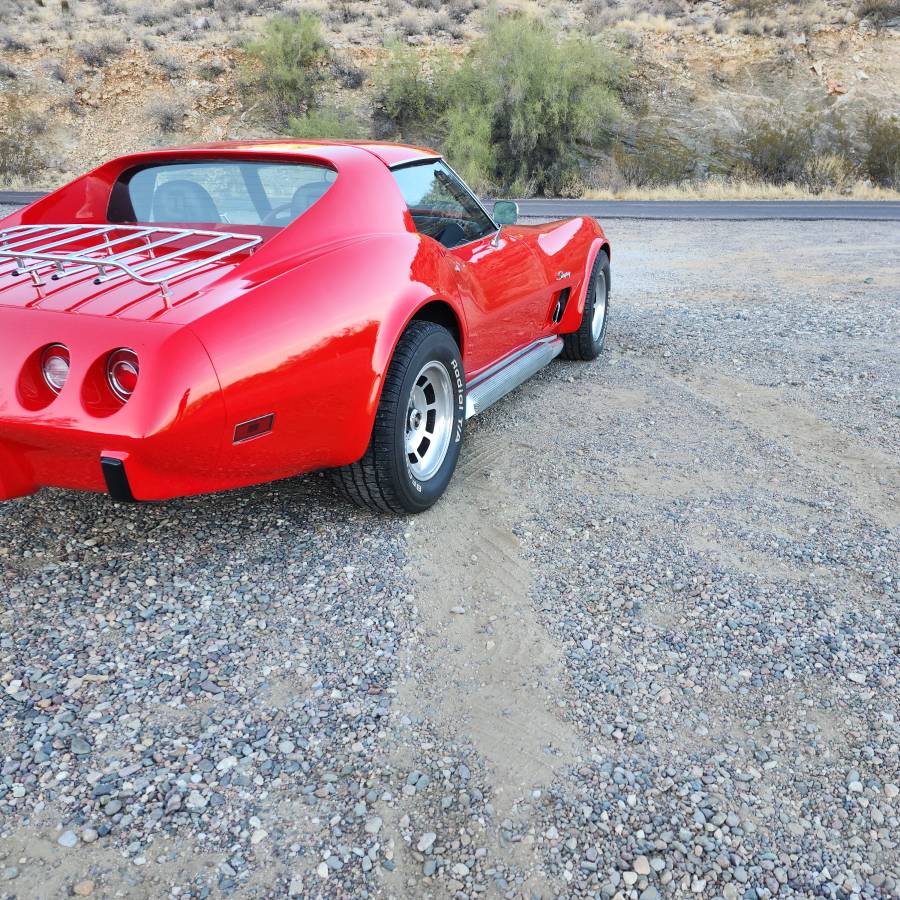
[(155, 257)]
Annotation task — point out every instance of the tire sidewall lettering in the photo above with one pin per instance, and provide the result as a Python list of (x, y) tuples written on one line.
[(438, 482)]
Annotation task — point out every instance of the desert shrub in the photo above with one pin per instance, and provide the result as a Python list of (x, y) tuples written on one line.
[(55, 71), (814, 151), (148, 15), (348, 73), (458, 9), (881, 159), (880, 11), (166, 115), (326, 122), (171, 65), (776, 153), (441, 21), (11, 40), (341, 12), (98, 53), (409, 22), (411, 99), (752, 7), (654, 159), (19, 154), (212, 70), (7, 72), (829, 171), (534, 97), (512, 114), (290, 53)]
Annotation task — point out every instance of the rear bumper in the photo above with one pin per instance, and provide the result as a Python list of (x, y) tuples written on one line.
[(18, 480), (87, 463)]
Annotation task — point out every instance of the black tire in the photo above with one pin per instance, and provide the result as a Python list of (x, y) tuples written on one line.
[(583, 344), (383, 479)]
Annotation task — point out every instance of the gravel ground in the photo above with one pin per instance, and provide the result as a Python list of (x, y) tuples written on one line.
[(647, 646)]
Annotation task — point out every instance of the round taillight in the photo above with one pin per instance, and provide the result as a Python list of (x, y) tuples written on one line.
[(55, 366), (122, 371)]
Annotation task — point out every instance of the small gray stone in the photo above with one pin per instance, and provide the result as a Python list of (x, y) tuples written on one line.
[(80, 747), (426, 841), (68, 839)]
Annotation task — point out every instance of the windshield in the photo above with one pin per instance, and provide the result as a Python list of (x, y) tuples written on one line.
[(212, 192)]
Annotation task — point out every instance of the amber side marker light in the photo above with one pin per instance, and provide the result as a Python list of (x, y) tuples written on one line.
[(255, 428), (55, 366), (122, 372)]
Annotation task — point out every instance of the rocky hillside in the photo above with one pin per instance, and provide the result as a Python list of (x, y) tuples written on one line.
[(81, 81)]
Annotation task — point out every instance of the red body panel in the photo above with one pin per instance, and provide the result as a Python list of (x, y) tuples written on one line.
[(303, 329)]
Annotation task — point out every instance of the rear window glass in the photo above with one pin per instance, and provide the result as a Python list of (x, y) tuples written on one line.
[(213, 192)]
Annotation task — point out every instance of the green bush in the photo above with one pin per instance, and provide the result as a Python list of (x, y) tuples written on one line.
[(328, 123), (290, 54), (882, 154), (537, 97), (411, 98), (512, 115)]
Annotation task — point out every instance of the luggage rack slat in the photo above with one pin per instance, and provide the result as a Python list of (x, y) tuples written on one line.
[(155, 261)]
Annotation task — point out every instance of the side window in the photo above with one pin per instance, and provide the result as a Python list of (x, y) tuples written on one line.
[(441, 205)]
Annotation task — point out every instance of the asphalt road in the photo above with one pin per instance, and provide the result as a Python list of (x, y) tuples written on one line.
[(734, 210), (728, 210)]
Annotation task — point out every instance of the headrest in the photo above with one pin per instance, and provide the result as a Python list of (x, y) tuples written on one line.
[(306, 195), (184, 201)]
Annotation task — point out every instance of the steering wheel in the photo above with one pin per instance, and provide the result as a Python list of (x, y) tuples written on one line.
[(272, 218)]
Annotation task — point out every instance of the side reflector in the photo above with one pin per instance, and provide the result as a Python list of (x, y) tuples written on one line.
[(255, 428)]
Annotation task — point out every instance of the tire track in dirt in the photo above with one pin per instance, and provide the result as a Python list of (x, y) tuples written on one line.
[(498, 669), (490, 671)]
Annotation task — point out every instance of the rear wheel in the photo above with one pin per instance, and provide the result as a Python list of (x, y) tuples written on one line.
[(418, 428), (587, 342)]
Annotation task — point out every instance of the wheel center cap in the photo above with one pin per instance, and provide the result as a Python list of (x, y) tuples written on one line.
[(415, 419)]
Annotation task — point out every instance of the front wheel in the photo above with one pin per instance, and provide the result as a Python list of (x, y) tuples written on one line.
[(418, 428), (587, 342)]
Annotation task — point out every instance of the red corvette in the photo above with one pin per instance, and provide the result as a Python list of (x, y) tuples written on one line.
[(196, 319)]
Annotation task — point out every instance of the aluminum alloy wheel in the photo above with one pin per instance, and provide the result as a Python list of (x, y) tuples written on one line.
[(599, 306), (429, 420)]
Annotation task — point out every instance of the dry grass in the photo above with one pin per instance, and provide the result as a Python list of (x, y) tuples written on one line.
[(731, 189)]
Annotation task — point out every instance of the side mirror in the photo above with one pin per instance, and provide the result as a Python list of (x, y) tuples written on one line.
[(506, 212)]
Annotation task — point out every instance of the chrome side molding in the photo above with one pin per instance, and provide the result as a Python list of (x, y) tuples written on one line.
[(509, 373)]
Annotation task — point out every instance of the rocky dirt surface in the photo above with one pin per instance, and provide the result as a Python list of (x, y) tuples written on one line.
[(647, 646)]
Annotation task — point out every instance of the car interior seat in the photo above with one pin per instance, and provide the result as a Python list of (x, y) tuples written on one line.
[(183, 201)]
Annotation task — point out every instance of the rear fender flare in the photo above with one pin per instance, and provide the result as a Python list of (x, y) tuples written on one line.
[(392, 328), (572, 318)]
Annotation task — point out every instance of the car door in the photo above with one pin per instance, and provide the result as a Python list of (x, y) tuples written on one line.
[(502, 283), (505, 285)]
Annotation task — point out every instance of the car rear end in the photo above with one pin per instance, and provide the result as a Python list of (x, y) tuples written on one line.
[(101, 404)]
